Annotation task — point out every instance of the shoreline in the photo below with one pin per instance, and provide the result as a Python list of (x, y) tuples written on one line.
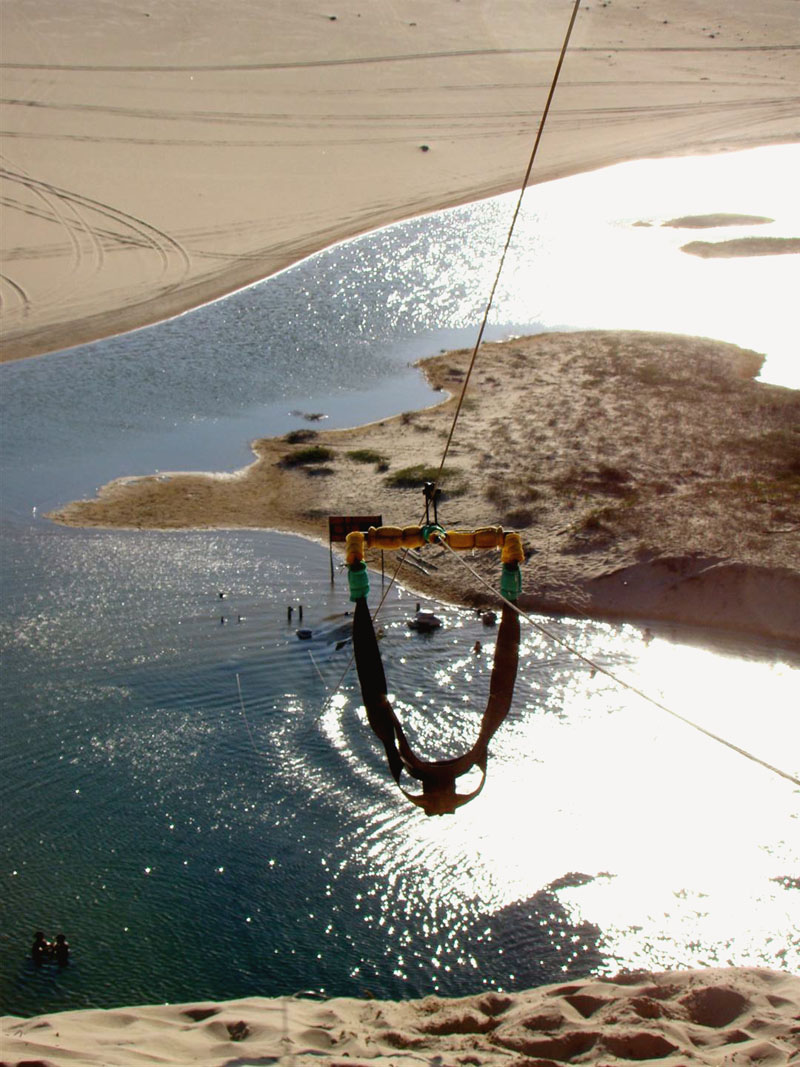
[(267, 140), (594, 445), (716, 1016)]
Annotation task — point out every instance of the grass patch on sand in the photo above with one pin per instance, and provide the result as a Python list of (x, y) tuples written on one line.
[(297, 437), (418, 474), (366, 455), (778, 449), (604, 480), (308, 456)]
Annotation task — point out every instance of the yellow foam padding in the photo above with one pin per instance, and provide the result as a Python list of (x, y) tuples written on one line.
[(385, 537), (512, 549), (489, 537), (412, 537), (389, 538), (354, 547), (485, 537), (461, 540)]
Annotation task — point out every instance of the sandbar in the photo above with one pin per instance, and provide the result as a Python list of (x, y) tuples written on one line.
[(744, 246), (714, 220), (649, 474)]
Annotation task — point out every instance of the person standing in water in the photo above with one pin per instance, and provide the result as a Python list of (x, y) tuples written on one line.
[(40, 949), (61, 950)]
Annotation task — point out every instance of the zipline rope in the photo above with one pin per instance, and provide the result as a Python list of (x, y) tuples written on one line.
[(510, 234), (542, 629), (621, 681)]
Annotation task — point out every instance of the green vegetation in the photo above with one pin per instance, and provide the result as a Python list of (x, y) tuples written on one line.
[(598, 520), (594, 481), (305, 456), (296, 437), (366, 455), (778, 449), (519, 517), (414, 477), (509, 495)]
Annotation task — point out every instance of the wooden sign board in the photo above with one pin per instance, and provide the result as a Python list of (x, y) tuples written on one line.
[(339, 526)]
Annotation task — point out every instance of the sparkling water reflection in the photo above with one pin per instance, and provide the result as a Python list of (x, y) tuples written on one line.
[(193, 847), (218, 849)]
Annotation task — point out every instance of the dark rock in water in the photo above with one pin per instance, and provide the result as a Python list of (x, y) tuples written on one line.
[(304, 634), (424, 622)]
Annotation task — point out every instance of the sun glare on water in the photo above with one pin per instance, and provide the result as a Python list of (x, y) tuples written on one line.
[(637, 823), (621, 268)]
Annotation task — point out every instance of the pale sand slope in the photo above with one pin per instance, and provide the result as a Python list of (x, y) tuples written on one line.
[(649, 474), (715, 1017), (158, 155)]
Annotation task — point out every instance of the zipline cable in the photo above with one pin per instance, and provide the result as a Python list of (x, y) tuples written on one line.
[(548, 633), (621, 681), (510, 234)]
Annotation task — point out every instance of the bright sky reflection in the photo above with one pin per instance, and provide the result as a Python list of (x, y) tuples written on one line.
[(594, 268), (682, 846)]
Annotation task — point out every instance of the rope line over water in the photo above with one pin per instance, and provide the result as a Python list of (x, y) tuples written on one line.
[(545, 631), (621, 681), (542, 629)]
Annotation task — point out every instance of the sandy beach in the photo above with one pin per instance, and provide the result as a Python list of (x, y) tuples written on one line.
[(155, 160), (713, 1017), (594, 445)]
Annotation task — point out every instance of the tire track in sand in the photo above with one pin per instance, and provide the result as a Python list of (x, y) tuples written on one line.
[(102, 226), (23, 301), (52, 211)]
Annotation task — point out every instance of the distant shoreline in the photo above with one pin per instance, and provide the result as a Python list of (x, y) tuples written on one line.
[(152, 166), (604, 467)]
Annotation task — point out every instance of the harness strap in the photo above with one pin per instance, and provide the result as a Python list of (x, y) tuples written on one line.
[(438, 777)]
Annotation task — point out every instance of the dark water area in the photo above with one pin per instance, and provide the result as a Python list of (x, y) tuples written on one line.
[(194, 844)]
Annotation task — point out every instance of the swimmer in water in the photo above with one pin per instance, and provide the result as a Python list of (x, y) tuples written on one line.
[(61, 950)]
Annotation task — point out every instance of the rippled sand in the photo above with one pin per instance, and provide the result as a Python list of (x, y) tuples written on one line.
[(713, 1017)]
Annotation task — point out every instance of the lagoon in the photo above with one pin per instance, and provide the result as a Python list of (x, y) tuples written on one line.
[(194, 845)]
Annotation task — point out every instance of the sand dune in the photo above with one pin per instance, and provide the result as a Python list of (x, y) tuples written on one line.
[(154, 159), (714, 1017)]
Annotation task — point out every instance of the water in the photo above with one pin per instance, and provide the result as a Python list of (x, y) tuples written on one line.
[(192, 846)]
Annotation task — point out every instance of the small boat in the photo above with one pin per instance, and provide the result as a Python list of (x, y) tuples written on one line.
[(424, 622)]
